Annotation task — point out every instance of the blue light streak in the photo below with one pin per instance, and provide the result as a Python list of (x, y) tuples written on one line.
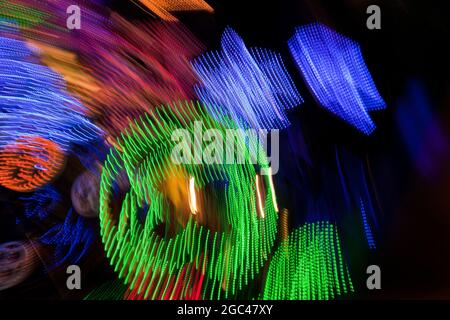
[(336, 74), (252, 86)]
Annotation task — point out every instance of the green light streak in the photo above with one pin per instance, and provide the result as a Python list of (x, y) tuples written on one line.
[(234, 254), (308, 265)]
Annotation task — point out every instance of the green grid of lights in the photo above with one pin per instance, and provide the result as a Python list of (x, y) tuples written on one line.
[(308, 265)]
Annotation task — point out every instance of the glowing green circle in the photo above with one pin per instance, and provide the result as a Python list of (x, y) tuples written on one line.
[(229, 257)]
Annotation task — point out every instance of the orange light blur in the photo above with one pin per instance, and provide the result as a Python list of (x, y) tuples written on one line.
[(29, 163), (162, 8)]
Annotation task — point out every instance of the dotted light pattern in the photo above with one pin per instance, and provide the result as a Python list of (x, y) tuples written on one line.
[(308, 265), (212, 254), (127, 67), (138, 66), (162, 8), (111, 290), (24, 16), (49, 37), (71, 238), (33, 101), (41, 203), (29, 163), (252, 86), (335, 72), (46, 20), (79, 82), (354, 176), (367, 229)]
